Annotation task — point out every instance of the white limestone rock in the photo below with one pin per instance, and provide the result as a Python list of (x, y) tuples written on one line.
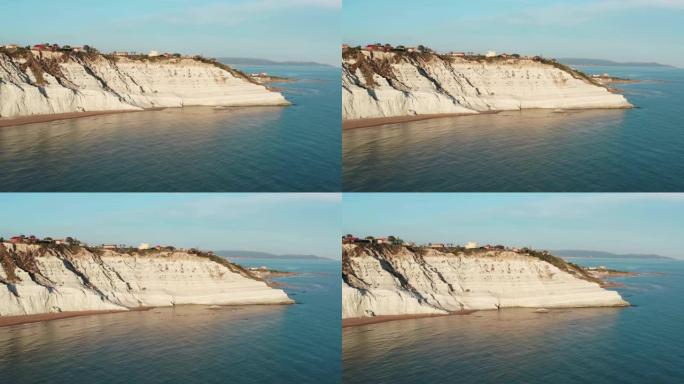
[(400, 282), (96, 83), (404, 85), (83, 281)]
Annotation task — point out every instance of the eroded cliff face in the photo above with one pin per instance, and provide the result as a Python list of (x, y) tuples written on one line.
[(34, 83), (384, 280), (36, 280), (383, 84)]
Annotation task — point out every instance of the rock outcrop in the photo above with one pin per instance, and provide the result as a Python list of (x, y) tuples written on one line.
[(35, 83), (37, 279), (393, 280), (384, 84)]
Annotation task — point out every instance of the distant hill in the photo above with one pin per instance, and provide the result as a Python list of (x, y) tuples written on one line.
[(265, 255), (252, 61), (605, 255), (609, 63)]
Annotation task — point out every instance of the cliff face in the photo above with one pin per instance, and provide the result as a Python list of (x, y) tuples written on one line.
[(36, 280), (380, 84), (33, 83), (384, 280)]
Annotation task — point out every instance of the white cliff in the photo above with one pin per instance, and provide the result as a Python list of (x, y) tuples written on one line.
[(383, 280), (36, 83), (384, 84), (35, 280)]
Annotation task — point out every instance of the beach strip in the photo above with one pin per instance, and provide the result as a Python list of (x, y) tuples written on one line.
[(23, 120), (356, 321)]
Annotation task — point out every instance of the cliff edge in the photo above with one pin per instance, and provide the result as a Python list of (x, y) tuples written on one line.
[(45, 82), (37, 279), (389, 84), (399, 280)]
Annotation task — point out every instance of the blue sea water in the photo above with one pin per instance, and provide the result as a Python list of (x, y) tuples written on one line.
[(640, 149), (252, 149), (640, 344), (298, 343)]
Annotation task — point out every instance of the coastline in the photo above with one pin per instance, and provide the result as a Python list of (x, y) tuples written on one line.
[(357, 321), (375, 121), (37, 318), (24, 120)]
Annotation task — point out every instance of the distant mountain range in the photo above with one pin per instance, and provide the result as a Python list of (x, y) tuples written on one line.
[(265, 255), (605, 255), (253, 61), (609, 63)]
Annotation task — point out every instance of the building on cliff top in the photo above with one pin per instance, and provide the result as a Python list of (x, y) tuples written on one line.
[(490, 54)]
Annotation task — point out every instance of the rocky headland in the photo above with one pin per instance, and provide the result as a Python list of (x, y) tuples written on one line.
[(392, 280), (47, 279), (379, 84)]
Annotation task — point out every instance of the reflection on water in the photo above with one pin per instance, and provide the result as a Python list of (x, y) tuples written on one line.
[(295, 148), (461, 347), (297, 343), (639, 344), (533, 150)]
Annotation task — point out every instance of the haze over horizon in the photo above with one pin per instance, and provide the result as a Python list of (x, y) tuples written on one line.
[(279, 30), (618, 223), (277, 223), (623, 31)]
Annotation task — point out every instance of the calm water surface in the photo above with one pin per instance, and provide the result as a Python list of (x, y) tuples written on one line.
[(294, 148), (641, 149), (191, 344), (639, 344)]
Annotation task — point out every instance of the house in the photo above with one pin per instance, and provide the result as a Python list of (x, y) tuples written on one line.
[(471, 245), (143, 246), (17, 239), (120, 53), (40, 47), (345, 47), (59, 241), (10, 46), (490, 54), (77, 49), (153, 53), (457, 54), (381, 240), (109, 246), (373, 47), (411, 49), (436, 245)]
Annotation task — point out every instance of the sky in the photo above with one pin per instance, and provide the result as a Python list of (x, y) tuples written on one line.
[(619, 223), (620, 30), (279, 223), (300, 30)]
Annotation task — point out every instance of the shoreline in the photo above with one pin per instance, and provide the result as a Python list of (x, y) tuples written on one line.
[(357, 321), (34, 119), (6, 321), (375, 121)]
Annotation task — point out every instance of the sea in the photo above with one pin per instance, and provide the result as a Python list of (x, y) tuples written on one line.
[(251, 149), (299, 343), (643, 343), (640, 149)]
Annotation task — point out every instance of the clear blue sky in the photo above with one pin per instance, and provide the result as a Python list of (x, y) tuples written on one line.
[(620, 223), (277, 223), (621, 30), (273, 29)]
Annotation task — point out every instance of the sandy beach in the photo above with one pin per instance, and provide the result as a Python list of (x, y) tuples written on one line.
[(375, 121), (24, 319), (356, 321), (9, 122)]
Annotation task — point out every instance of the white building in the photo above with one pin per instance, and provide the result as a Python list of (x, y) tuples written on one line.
[(143, 246), (471, 245), (153, 53), (490, 54)]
